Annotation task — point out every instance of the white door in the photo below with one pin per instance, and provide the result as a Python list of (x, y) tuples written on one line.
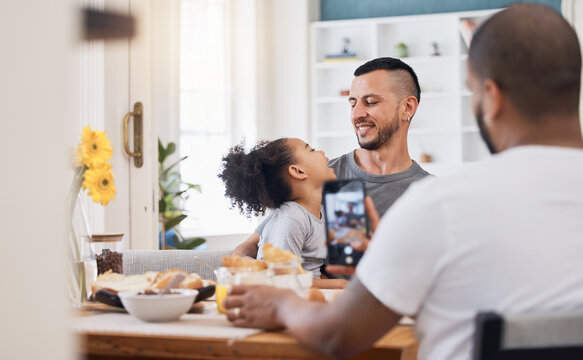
[(127, 80)]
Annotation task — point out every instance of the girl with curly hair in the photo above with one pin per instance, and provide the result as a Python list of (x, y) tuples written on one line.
[(286, 175)]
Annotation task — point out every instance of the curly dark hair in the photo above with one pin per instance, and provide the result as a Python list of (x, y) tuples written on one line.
[(257, 181)]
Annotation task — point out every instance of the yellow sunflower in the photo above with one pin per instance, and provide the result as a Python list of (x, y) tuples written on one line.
[(94, 147), (99, 181), (101, 167)]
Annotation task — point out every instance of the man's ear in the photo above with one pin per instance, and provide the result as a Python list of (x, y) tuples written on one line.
[(409, 108), (493, 99), (296, 172)]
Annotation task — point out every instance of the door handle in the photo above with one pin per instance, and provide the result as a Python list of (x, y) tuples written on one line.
[(138, 134)]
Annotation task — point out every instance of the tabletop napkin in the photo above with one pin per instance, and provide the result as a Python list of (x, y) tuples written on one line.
[(195, 325)]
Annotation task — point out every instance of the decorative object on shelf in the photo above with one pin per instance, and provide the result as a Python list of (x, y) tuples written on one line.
[(436, 51), (344, 92), (346, 54), (92, 173), (467, 29), (346, 48), (401, 50), (425, 158), (172, 191)]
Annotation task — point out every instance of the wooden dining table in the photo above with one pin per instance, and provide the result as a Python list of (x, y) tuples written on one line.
[(399, 343)]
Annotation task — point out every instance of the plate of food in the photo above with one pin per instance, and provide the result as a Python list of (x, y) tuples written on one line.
[(107, 287)]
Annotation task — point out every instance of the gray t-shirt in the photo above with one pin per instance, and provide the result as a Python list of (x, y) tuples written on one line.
[(293, 228), (383, 189)]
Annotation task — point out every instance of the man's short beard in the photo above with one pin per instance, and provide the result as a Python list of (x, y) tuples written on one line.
[(384, 136), (483, 131)]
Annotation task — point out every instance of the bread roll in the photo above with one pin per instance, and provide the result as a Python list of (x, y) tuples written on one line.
[(316, 295), (117, 282), (243, 262), (191, 281), (150, 280)]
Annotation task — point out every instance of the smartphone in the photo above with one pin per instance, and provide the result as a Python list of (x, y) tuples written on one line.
[(345, 218)]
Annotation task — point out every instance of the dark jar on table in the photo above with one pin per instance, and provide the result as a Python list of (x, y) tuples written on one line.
[(108, 250)]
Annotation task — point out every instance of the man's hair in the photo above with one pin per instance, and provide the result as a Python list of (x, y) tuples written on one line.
[(257, 180), (409, 84), (533, 55)]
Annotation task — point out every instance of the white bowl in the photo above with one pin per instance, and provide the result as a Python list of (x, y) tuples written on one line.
[(158, 308)]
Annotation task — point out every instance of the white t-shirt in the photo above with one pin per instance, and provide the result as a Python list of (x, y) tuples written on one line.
[(505, 235)]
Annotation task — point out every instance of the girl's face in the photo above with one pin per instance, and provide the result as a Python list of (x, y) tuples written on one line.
[(313, 162)]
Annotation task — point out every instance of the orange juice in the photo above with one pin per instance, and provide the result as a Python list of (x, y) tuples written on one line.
[(221, 291)]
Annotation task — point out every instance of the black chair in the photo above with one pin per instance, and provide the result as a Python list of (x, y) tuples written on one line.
[(535, 336)]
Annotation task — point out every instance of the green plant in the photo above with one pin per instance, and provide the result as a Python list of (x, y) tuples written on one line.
[(401, 50), (172, 192)]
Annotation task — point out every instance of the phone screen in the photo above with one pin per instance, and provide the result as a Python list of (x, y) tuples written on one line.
[(346, 220)]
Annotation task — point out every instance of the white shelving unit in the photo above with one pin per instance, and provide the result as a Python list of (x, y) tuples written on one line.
[(444, 126)]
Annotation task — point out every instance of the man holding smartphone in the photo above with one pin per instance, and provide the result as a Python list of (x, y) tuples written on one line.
[(384, 97), (503, 236)]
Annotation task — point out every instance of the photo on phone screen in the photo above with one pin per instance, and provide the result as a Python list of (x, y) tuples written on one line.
[(346, 219)]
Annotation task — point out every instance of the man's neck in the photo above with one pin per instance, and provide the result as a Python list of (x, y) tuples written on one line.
[(562, 132), (389, 159)]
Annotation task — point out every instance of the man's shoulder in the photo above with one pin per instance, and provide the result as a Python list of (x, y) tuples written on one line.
[(342, 166), (418, 172), (340, 160)]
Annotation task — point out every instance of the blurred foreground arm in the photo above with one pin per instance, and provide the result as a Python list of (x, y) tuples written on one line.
[(335, 329)]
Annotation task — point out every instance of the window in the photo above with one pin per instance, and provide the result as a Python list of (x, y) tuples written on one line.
[(205, 116)]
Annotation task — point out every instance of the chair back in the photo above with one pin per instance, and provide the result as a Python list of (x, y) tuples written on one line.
[(550, 335), (202, 262)]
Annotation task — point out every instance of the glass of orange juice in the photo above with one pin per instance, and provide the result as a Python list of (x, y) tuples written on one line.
[(227, 277), (221, 291)]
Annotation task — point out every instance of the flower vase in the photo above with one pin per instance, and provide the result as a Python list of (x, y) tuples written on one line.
[(79, 238)]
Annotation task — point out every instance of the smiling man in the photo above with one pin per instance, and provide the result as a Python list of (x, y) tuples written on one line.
[(384, 97)]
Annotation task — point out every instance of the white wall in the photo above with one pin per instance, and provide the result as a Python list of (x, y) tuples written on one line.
[(578, 25), (244, 69), (573, 11), (38, 40), (166, 68), (284, 60)]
